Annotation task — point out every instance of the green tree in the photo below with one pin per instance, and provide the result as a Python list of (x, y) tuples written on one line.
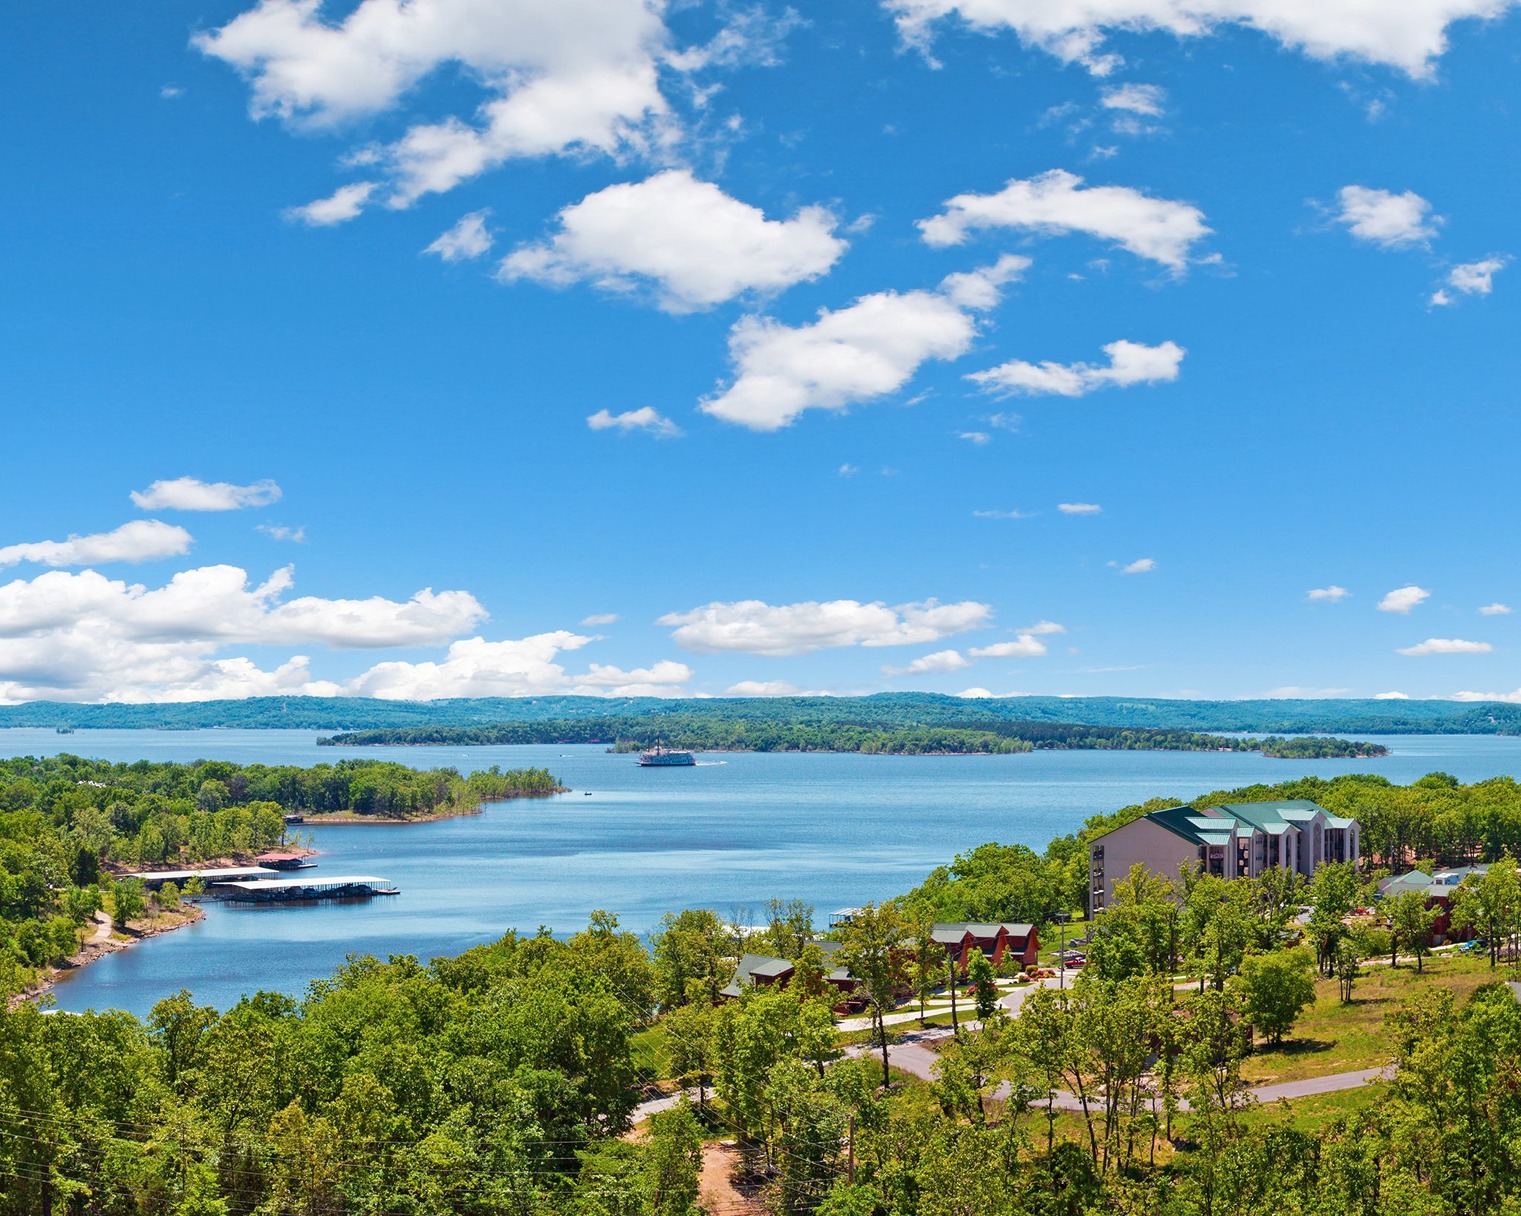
[(1274, 990), (1410, 922), (674, 1162), (872, 949), (984, 985), (127, 901)]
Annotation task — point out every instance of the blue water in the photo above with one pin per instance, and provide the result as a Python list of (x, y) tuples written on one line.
[(835, 830)]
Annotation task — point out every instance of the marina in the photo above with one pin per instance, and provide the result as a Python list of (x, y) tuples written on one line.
[(290, 890)]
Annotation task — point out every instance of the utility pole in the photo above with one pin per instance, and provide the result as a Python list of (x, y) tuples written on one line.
[(1061, 959), (850, 1169)]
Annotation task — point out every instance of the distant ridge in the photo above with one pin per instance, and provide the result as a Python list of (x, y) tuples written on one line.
[(883, 709)]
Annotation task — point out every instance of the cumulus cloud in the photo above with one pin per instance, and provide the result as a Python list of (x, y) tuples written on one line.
[(1471, 278), (1392, 696), (1327, 595), (475, 667), (941, 660), (646, 418), (1403, 599), (1391, 221), (983, 288), (87, 637), (192, 494), (342, 205), (1043, 628), (1025, 646), (1146, 100), (1142, 565), (974, 694), (755, 627), (977, 438), (1002, 514), (600, 618), (1496, 609), (764, 688), (557, 76), (694, 244), (1057, 202), (1129, 363), (1488, 696), (1447, 646), (282, 532), (1079, 508), (142, 540), (1408, 36), (858, 353), (469, 238)]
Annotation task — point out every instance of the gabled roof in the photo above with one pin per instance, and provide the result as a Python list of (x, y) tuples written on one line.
[(751, 965), (1184, 821)]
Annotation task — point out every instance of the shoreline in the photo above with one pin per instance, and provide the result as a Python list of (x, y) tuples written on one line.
[(96, 948)]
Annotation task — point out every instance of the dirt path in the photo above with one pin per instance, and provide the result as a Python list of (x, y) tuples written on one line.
[(716, 1190)]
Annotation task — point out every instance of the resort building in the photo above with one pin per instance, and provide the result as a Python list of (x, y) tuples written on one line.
[(996, 941), (763, 971), (1239, 840)]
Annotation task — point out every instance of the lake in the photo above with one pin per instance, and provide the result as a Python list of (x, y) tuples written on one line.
[(729, 834)]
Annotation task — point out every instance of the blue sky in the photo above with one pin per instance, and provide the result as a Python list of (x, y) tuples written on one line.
[(493, 347)]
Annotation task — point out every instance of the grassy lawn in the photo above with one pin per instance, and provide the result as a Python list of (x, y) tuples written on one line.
[(1331, 1037), (649, 1052), (1312, 1113)]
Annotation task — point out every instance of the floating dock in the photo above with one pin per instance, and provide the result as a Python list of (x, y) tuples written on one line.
[(154, 879), (282, 890)]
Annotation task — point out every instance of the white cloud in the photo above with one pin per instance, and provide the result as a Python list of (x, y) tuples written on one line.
[(1488, 696), (600, 618), (1043, 629), (858, 353), (974, 694), (941, 660), (192, 494), (282, 532), (1147, 100), (469, 238), (1129, 363), (342, 205), (1002, 514), (1079, 508), (764, 688), (557, 75), (1407, 35), (974, 437), (1403, 599), (1142, 565), (1447, 646), (1025, 646), (475, 667), (142, 540), (646, 418), (86, 637), (755, 627), (1496, 610), (983, 288), (1329, 595), (1471, 278), (847, 470), (1391, 221), (1392, 696), (695, 244), (1056, 202)]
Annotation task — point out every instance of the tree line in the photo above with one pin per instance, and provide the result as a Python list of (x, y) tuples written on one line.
[(779, 733)]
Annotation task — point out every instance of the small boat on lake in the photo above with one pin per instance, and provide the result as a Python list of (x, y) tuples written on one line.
[(664, 757)]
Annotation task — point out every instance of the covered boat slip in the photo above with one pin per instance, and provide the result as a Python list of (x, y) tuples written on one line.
[(154, 879), (282, 890)]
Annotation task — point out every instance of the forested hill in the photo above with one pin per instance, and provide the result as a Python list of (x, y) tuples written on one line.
[(884, 710), (699, 732)]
